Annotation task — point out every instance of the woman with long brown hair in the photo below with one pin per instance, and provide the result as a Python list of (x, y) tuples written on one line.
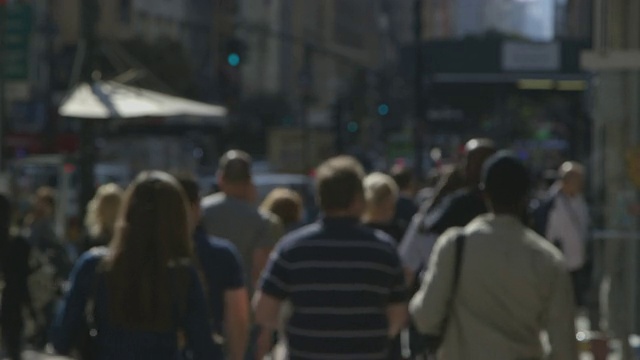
[(143, 292)]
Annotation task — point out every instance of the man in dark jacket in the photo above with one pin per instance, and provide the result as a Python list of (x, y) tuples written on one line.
[(457, 209)]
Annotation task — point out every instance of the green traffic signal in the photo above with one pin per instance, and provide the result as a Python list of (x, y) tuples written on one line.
[(383, 110), (233, 59)]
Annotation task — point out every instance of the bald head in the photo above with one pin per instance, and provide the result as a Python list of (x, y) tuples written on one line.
[(477, 151)]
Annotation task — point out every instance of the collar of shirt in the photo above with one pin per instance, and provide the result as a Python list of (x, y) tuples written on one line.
[(339, 220), (499, 219)]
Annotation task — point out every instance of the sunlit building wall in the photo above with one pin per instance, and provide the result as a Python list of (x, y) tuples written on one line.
[(615, 174)]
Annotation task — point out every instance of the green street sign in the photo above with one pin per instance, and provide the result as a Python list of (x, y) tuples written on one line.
[(17, 36)]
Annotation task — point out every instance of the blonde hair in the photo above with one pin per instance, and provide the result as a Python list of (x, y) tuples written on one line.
[(378, 188), (102, 210), (284, 203)]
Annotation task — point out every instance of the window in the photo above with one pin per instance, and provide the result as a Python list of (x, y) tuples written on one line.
[(351, 22)]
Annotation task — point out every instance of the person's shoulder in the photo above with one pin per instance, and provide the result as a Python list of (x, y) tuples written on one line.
[(299, 235), (95, 254), (213, 200), (91, 258), (451, 234), (221, 246), (382, 237), (453, 202), (545, 249), (369, 237), (270, 218), (215, 242)]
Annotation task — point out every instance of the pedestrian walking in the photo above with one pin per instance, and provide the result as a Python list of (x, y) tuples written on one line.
[(287, 205), (141, 298), (563, 219), (455, 209), (14, 261), (493, 286), (344, 280), (49, 264), (233, 215), (221, 266), (381, 195)]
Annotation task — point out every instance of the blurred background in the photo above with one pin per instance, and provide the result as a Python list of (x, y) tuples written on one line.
[(295, 82)]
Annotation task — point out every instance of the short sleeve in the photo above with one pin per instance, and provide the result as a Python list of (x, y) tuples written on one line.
[(234, 278), (197, 326), (275, 277)]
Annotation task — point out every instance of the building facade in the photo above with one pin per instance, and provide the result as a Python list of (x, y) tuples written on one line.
[(615, 175), (310, 54)]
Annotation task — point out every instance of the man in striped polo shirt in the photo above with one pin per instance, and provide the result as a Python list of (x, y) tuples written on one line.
[(344, 281)]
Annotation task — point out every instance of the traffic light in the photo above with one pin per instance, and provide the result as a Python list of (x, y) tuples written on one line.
[(353, 127), (235, 52), (383, 109), (233, 59)]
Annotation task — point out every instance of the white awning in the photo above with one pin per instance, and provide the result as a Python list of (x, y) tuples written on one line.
[(112, 100)]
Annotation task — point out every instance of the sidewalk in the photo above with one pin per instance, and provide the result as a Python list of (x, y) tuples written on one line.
[(34, 355)]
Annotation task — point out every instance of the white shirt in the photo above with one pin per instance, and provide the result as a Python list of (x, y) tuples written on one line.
[(512, 286), (568, 226)]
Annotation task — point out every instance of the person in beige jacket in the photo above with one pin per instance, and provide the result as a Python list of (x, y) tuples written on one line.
[(512, 283)]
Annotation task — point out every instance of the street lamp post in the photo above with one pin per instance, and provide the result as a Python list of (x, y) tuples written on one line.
[(3, 118), (419, 104), (306, 87), (89, 17)]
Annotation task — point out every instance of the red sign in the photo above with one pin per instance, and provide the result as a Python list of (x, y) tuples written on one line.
[(34, 144)]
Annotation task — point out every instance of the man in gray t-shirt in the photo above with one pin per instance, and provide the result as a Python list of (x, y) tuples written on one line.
[(232, 214)]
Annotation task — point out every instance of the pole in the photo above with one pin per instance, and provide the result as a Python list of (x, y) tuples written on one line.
[(306, 81), (3, 112), (418, 119), (89, 17), (47, 89)]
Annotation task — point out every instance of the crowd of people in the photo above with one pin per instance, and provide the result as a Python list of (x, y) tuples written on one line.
[(470, 271)]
